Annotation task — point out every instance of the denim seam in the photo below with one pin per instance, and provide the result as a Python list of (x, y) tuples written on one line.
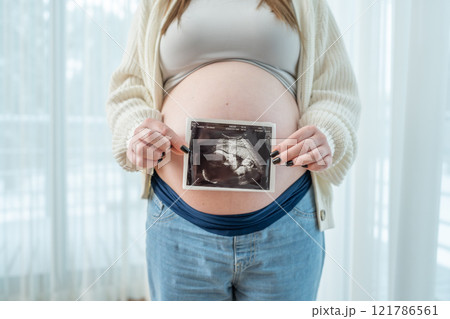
[(157, 201), (166, 213), (252, 259), (312, 215), (248, 262), (235, 278), (167, 217)]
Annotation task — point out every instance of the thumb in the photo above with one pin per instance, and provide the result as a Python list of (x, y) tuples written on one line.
[(179, 146)]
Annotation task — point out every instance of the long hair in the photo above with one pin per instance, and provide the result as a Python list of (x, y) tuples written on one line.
[(282, 9)]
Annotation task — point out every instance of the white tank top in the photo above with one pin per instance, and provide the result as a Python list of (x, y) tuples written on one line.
[(213, 31)]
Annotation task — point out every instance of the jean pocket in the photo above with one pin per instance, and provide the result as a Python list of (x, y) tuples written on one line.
[(157, 209), (306, 207)]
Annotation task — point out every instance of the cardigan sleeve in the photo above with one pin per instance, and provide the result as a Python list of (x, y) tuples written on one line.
[(335, 105), (129, 102)]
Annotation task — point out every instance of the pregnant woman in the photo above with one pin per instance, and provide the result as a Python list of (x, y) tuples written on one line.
[(254, 60)]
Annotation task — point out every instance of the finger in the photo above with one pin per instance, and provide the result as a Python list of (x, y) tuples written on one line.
[(151, 151), (316, 155), (134, 159), (131, 158), (299, 149), (137, 137), (178, 144), (145, 164), (299, 135), (318, 165), (157, 140), (134, 142), (145, 155), (140, 132)]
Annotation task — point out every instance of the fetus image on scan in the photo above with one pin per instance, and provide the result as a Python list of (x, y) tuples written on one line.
[(229, 156)]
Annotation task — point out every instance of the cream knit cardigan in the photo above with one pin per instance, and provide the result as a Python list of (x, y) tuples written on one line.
[(328, 95)]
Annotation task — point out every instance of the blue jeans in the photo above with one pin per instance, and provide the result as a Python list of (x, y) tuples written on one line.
[(284, 261)]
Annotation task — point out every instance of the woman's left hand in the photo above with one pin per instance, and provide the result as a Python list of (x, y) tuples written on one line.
[(307, 147)]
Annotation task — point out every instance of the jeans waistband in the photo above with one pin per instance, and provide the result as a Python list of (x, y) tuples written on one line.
[(233, 224)]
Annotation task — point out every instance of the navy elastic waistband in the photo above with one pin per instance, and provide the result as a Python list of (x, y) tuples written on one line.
[(238, 224)]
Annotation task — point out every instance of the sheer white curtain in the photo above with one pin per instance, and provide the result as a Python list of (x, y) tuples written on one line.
[(68, 212), (393, 212)]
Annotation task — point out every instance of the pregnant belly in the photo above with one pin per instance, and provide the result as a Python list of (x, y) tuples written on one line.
[(230, 90)]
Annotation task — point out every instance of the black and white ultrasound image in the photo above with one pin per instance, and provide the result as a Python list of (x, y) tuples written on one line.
[(233, 156)]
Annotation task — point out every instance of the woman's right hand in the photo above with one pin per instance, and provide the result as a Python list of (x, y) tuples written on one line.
[(152, 141)]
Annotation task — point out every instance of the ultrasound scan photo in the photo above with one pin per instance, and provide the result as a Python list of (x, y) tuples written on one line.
[(229, 155)]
